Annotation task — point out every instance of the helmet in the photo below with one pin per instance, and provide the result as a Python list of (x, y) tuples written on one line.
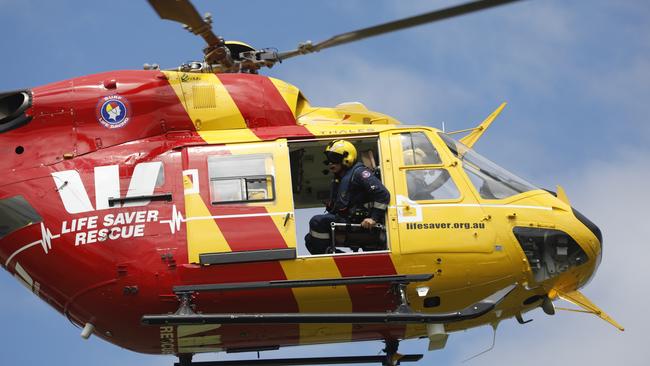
[(341, 152), (414, 156)]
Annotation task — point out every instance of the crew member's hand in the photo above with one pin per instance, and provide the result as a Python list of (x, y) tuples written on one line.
[(368, 223)]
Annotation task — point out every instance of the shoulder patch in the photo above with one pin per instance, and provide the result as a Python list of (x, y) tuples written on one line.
[(366, 174)]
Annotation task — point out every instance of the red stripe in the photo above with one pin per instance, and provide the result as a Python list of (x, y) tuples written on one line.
[(368, 297), (249, 233), (252, 301), (262, 106), (371, 298), (272, 133)]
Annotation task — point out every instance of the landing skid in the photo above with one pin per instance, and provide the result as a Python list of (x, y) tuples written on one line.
[(185, 315), (344, 360), (391, 358)]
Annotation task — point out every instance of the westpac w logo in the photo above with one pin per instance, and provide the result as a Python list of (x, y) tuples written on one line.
[(107, 186)]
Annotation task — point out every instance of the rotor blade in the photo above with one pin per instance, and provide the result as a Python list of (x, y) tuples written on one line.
[(184, 12), (394, 26)]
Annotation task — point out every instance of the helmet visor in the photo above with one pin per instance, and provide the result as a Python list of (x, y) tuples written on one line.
[(333, 157)]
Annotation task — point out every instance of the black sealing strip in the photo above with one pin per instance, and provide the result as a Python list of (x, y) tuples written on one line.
[(589, 224), (152, 197), (247, 256), (252, 349), (303, 283), (15, 123)]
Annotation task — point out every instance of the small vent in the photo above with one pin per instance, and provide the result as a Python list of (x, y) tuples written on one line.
[(533, 299), (204, 96), (432, 302)]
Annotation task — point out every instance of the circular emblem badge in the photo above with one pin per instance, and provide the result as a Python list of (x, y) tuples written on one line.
[(113, 111), (366, 174)]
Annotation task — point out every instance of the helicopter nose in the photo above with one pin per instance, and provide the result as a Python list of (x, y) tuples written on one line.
[(594, 229)]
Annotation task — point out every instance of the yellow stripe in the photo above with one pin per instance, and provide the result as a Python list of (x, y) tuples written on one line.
[(203, 236), (189, 330), (188, 343), (415, 331), (289, 93), (208, 104), (229, 136), (316, 125), (320, 299), (284, 200)]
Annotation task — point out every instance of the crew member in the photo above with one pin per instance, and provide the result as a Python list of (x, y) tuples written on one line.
[(356, 196)]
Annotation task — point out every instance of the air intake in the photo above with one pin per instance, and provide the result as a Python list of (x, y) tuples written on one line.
[(12, 109)]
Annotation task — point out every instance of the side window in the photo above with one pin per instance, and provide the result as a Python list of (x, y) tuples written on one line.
[(417, 149), (15, 214), (160, 178), (241, 178), (430, 184), (489, 179), (487, 186)]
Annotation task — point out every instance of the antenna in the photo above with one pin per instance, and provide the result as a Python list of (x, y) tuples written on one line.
[(494, 339)]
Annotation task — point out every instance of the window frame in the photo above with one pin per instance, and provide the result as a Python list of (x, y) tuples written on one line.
[(244, 179), (466, 170), (404, 164), (431, 167), (446, 163)]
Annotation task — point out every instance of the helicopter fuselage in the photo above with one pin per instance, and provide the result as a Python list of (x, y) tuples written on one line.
[(121, 187)]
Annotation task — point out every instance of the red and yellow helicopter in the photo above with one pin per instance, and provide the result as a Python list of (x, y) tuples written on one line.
[(178, 195)]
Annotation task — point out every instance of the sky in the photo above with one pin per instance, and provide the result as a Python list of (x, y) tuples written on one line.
[(576, 76)]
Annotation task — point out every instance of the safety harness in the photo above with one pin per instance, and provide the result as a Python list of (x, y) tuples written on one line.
[(341, 188)]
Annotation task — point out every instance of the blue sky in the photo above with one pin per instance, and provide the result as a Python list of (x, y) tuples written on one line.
[(576, 76)]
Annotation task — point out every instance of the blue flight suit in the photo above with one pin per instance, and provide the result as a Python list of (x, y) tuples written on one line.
[(357, 192)]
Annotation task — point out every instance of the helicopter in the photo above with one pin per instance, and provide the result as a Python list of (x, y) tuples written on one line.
[(131, 198)]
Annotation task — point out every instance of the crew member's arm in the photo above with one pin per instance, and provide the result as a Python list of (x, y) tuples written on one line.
[(378, 194)]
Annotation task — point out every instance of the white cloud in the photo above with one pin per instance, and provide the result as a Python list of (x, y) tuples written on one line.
[(625, 90), (518, 45), (396, 91)]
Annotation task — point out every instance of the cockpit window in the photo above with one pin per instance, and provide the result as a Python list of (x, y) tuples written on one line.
[(417, 149), (489, 179), (430, 184), (16, 213)]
